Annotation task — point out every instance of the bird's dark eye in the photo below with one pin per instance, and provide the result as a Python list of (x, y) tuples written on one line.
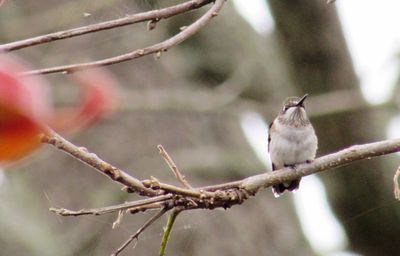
[(285, 108)]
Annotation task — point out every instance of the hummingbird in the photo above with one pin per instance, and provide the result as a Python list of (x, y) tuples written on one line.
[(291, 140)]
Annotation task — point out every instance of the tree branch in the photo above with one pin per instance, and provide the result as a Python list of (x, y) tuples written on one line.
[(156, 48), (324, 163), (154, 15), (227, 194), (114, 208), (224, 195), (91, 159), (173, 167)]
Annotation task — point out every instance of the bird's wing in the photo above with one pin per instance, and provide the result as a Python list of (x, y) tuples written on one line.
[(269, 143), (269, 135)]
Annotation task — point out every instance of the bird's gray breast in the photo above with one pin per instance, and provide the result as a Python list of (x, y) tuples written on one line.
[(292, 145)]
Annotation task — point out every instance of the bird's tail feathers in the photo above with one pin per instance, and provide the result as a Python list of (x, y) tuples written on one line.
[(280, 188)]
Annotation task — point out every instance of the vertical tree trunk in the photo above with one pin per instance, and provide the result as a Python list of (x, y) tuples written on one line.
[(311, 35)]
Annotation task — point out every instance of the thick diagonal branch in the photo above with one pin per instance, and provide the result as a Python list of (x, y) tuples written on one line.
[(91, 159)]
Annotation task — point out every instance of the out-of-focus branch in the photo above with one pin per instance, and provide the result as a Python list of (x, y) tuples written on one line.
[(154, 15), (209, 100), (156, 48)]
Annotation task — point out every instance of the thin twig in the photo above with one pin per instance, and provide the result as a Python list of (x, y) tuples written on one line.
[(396, 184), (173, 167), (156, 48), (110, 209), (155, 184), (154, 15), (118, 221), (140, 230), (167, 231), (144, 208)]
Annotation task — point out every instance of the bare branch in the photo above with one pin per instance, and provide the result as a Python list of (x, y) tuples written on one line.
[(155, 184), (206, 100), (228, 194), (173, 167), (91, 159), (140, 230), (221, 194), (154, 15), (324, 163), (253, 183), (146, 207), (156, 48), (114, 208)]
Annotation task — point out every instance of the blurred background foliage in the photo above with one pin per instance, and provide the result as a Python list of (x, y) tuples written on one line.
[(191, 101)]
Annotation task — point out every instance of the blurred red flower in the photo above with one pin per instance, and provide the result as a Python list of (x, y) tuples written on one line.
[(26, 109)]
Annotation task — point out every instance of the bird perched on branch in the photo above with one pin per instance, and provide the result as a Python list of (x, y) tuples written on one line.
[(291, 140)]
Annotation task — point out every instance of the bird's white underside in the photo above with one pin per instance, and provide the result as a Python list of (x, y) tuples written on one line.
[(292, 145)]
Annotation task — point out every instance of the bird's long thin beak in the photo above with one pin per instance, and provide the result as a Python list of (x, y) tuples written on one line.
[(301, 101)]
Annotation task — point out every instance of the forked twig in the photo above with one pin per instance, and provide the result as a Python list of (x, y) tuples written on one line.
[(140, 230), (173, 167)]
